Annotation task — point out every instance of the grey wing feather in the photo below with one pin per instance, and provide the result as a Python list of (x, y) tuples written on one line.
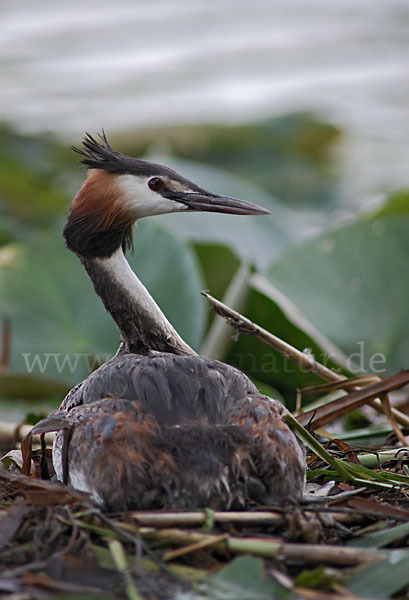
[(175, 389)]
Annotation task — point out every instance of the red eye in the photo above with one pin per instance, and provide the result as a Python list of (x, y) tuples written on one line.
[(155, 184)]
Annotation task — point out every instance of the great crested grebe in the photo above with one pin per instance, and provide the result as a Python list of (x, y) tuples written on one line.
[(158, 426)]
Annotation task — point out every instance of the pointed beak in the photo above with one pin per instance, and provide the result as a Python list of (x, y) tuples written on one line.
[(209, 202)]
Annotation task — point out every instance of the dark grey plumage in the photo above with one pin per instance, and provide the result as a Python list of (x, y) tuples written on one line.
[(174, 388), (169, 431)]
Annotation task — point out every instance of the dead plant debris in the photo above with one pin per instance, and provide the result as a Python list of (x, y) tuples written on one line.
[(54, 541), (347, 540)]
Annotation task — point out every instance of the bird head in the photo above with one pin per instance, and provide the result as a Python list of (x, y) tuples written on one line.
[(119, 190)]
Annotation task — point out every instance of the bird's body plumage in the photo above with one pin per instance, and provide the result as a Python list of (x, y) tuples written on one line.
[(158, 426), (168, 431)]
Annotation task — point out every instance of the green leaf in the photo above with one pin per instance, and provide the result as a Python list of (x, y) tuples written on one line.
[(264, 364), (372, 436), (378, 539), (352, 285), (319, 578), (242, 579), (172, 275), (384, 578), (373, 460), (219, 265), (396, 204), (59, 326), (20, 187), (31, 387), (37, 177)]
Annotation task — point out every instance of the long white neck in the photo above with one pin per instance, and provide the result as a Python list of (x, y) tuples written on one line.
[(141, 322)]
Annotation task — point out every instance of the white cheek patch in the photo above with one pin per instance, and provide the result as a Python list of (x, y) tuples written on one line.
[(144, 202)]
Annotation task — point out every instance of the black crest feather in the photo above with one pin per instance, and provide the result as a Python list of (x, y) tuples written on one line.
[(100, 155)]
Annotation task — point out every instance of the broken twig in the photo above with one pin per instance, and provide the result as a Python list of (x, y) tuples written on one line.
[(303, 360)]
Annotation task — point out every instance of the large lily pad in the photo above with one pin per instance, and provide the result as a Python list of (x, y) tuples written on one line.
[(59, 326), (261, 362), (352, 285)]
